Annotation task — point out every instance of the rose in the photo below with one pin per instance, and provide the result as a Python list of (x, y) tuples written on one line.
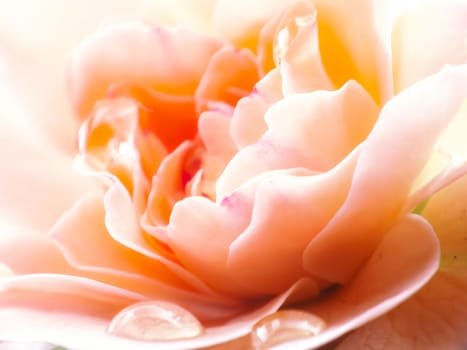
[(279, 138)]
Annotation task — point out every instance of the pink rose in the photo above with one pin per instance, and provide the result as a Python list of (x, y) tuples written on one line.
[(275, 156)]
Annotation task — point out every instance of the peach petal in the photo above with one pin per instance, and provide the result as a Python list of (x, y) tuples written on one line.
[(281, 232), (403, 263), (196, 15), (432, 319), (328, 125), (248, 123), (141, 55), (76, 329), (382, 182), (298, 51), (352, 47), (420, 48), (214, 130), (59, 26), (25, 183), (447, 212), (188, 224), (230, 75), (314, 130), (167, 189), (42, 256), (84, 240), (170, 117), (125, 230), (245, 240), (241, 21)]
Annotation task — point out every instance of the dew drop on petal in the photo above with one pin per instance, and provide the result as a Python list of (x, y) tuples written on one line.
[(155, 320), (283, 326)]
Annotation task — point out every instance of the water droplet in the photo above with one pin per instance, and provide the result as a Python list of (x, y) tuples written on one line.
[(283, 326), (155, 320)]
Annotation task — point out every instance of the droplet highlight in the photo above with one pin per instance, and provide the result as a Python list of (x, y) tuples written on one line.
[(283, 326), (155, 320)]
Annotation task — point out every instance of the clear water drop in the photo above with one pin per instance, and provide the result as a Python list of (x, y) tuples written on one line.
[(155, 320), (283, 326)]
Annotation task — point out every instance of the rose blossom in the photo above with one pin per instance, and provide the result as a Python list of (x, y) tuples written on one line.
[(235, 173)]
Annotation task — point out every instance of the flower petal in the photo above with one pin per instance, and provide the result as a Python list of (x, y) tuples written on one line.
[(230, 75), (138, 54), (404, 261), (25, 181), (314, 130), (447, 212), (352, 47), (241, 21), (432, 319), (74, 300), (407, 129), (426, 38)]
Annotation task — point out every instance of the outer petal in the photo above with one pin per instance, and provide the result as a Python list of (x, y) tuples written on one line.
[(404, 261), (426, 38), (32, 168), (432, 319), (197, 15), (447, 212), (70, 327), (407, 130)]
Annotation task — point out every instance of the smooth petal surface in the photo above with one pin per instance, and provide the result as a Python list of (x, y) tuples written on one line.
[(33, 167), (404, 261), (430, 35), (352, 47), (315, 130), (138, 54), (197, 15), (432, 319), (241, 21), (251, 225), (73, 329), (382, 182), (447, 212)]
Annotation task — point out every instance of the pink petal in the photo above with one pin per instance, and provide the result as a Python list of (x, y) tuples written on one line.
[(81, 234), (32, 169), (123, 227), (314, 130), (256, 227), (432, 319), (446, 211), (230, 75), (141, 55), (36, 255), (352, 47), (393, 155), (404, 261), (214, 130), (197, 15), (241, 21), (426, 38), (83, 309)]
